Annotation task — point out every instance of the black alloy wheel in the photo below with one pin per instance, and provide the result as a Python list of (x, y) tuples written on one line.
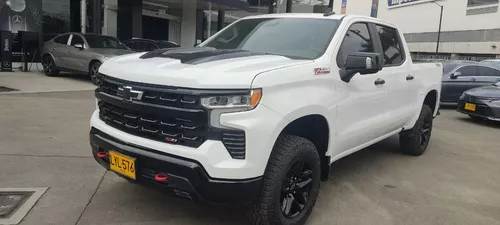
[(94, 72), (296, 189), (49, 67), (425, 133)]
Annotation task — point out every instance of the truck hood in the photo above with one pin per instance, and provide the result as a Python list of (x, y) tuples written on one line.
[(195, 67)]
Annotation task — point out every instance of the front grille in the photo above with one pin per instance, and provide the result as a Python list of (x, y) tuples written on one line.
[(166, 114), (154, 95), (178, 130)]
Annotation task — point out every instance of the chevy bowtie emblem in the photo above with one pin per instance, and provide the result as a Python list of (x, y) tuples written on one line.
[(17, 19), (129, 94)]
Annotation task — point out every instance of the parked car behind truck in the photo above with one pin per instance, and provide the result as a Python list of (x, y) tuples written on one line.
[(258, 112), (75, 52), (462, 76)]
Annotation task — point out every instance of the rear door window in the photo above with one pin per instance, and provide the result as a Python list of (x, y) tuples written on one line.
[(391, 45), (488, 72)]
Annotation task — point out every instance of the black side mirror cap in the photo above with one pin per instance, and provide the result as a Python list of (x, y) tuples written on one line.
[(361, 62)]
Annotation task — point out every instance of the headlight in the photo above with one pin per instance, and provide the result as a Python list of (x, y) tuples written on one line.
[(244, 102), (462, 96)]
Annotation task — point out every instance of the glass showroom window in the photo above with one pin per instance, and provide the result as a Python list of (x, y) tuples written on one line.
[(309, 6), (481, 2)]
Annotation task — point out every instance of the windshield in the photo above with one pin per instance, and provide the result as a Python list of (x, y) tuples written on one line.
[(95, 41), (299, 38)]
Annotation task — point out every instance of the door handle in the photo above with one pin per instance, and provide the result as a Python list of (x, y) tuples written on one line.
[(379, 81), (473, 79), (54, 48), (410, 77)]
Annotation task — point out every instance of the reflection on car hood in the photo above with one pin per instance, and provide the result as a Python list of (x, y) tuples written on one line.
[(485, 91), (111, 51)]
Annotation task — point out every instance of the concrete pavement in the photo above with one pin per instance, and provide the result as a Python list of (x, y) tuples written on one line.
[(34, 82), (44, 142)]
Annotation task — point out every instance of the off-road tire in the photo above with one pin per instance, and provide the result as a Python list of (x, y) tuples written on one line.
[(49, 66), (287, 150), (411, 140)]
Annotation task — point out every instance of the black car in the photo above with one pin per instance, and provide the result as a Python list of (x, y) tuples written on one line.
[(482, 102), (146, 45), (459, 76)]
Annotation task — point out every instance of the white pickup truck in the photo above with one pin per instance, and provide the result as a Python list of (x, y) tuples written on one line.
[(257, 113)]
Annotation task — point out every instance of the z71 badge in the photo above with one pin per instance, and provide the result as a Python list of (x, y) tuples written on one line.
[(321, 71)]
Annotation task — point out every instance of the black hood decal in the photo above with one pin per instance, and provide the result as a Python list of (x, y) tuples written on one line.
[(198, 55)]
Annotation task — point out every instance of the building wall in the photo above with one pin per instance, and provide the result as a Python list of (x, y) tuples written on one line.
[(465, 29)]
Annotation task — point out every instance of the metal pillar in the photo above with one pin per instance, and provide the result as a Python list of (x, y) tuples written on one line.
[(209, 29), (83, 16), (289, 6), (221, 16), (439, 31), (97, 6)]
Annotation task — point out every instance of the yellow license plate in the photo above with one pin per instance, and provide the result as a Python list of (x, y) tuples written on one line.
[(122, 164), (470, 106)]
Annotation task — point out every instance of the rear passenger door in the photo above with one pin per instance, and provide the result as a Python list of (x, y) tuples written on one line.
[(398, 74), (486, 76)]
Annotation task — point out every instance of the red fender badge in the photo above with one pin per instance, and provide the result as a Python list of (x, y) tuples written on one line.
[(321, 71)]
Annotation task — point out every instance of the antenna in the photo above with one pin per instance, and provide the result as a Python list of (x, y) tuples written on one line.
[(329, 12)]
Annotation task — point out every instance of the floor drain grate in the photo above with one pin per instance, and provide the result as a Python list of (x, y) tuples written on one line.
[(10, 202), (7, 89), (15, 203)]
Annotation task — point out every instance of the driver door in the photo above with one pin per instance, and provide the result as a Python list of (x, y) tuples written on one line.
[(362, 111)]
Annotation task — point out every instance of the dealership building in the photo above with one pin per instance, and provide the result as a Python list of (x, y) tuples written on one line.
[(470, 28), (181, 21)]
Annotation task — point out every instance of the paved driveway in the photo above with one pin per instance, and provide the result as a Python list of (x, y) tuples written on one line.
[(44, 143)]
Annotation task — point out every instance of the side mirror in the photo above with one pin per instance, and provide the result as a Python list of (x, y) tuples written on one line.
[(361, 62), (78, 46), (454, 75)]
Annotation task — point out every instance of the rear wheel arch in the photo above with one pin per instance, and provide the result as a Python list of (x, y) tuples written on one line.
[(431, 99)]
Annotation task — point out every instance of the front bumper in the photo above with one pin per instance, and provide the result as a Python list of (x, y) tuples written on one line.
[(483, 109), (186, 178)]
